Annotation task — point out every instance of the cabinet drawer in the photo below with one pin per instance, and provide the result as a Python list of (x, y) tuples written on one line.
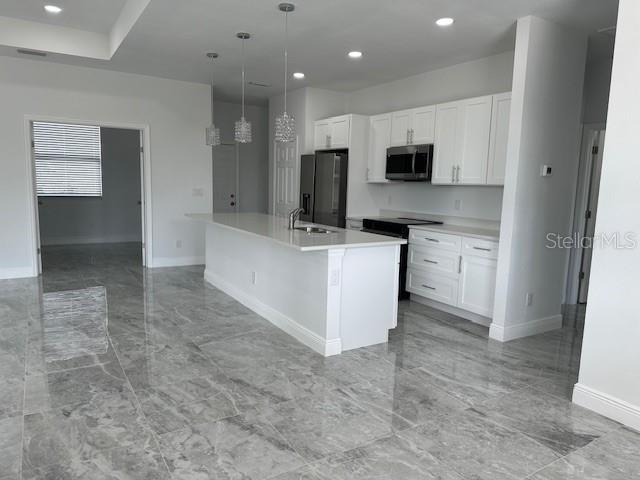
[(436, 260), (435, 239), (434, 286), (479, 248)]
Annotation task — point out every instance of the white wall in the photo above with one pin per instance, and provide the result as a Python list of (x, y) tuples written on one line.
[(545, 126), (608, 381), (114, 217), (176, 112), (253, 157)]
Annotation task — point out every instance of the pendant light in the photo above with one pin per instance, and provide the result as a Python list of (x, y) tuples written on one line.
[(285, 123), (212, 132), (243, 128)]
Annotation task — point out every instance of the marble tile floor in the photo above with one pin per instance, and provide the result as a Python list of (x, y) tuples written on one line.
[(108, 371)]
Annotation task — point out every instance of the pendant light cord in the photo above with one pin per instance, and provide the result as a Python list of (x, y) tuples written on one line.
[(286, 59), (212, 75), (243, 78)]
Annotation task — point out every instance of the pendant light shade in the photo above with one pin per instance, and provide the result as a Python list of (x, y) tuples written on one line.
[(285, 123), (212, 133), (243, 128)]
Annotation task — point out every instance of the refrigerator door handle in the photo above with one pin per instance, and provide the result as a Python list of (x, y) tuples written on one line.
[(413, 163), (306, 197), (336, 173)]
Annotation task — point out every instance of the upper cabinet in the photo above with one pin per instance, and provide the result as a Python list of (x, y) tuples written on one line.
[(499, 135), (332, 133), (379, 141), (466, 138), (413, 127)]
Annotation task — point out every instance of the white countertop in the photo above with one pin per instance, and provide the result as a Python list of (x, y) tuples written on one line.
[(275, 229), (493, 235)]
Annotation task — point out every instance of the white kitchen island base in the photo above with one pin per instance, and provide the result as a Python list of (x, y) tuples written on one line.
[(330, 297)]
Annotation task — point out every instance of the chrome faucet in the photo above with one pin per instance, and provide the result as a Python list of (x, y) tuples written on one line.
[(293, 215)]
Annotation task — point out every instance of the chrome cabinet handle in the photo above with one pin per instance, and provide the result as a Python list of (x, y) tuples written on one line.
[(458, 174), (408, 137), (483, 249), (430, 261), (412, 135), (459, 263), (453, 174), (427, 286), (432, 239)]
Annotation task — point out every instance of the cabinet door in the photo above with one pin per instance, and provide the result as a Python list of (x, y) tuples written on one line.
[(499, 136), (446, 149), (340, 132), (400, 125), (477, 285), (474, 132), (379, 140), (321, 135), (423, 125)]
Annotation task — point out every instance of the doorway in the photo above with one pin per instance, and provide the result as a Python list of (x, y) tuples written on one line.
[(226, 175), (586, 208), (91, 198)]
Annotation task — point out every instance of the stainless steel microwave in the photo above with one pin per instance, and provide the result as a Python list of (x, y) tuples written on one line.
[(412, 163)]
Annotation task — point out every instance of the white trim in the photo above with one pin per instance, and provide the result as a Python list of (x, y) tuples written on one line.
[(310, 339), (606, 405), (33, 220), (20, 272), (467, 315), (177, 261), (524, 329)]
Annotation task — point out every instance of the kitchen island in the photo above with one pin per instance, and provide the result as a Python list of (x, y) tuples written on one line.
[(332, 291)]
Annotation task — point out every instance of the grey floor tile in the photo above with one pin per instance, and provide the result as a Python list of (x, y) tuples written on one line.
[(243, 446), (479, 449), (552, 421), (10, 445)]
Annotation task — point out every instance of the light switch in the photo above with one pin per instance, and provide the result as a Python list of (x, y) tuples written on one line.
[(545, 171)]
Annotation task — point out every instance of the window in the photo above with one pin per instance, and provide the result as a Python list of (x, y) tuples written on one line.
[(68, 160)]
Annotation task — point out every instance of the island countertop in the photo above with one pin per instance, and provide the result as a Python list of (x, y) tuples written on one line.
[(276, 229)]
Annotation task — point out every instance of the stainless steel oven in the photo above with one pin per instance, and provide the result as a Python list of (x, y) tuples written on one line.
[(412, 163)]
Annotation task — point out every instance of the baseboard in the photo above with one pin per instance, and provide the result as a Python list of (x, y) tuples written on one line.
[(176, 261), (525, 329), (277, 318), (20, 272), (606, 405), (83, 240), (472, 317)]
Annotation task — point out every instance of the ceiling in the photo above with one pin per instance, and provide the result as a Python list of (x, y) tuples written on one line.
[(398, 38)]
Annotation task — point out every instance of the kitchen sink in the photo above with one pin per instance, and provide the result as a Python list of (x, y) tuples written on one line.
[(314, 230)]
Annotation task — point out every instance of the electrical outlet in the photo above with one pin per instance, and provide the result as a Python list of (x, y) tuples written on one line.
[(545, 170), (178, 243), (197, 192), (254, 278), (528, 299), (457, 204)]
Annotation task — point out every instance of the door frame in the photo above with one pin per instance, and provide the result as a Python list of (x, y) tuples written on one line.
[(581, 202), (145, 171)]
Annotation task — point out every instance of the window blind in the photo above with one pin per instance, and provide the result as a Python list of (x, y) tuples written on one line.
[(68, 160)]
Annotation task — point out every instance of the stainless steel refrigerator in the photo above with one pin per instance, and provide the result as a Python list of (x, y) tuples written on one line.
[(323, 188)]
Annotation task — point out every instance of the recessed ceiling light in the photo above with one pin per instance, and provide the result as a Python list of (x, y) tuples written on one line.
[(355, 54), (445, 21), (298, 75), (52, 8)]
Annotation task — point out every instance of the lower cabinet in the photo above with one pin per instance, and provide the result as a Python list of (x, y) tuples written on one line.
[(462, 274)]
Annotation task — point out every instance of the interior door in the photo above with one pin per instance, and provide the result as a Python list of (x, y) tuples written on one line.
[(225, 178), (141, 202), (286, 179), (475, 132), (445, 153), (400, 125), (590, 217), (423, 125)]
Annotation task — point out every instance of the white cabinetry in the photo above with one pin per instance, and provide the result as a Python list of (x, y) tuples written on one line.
[(462, 133), (499, 136), (413, 127), (454, 270), (332, 133), (379, 141)]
